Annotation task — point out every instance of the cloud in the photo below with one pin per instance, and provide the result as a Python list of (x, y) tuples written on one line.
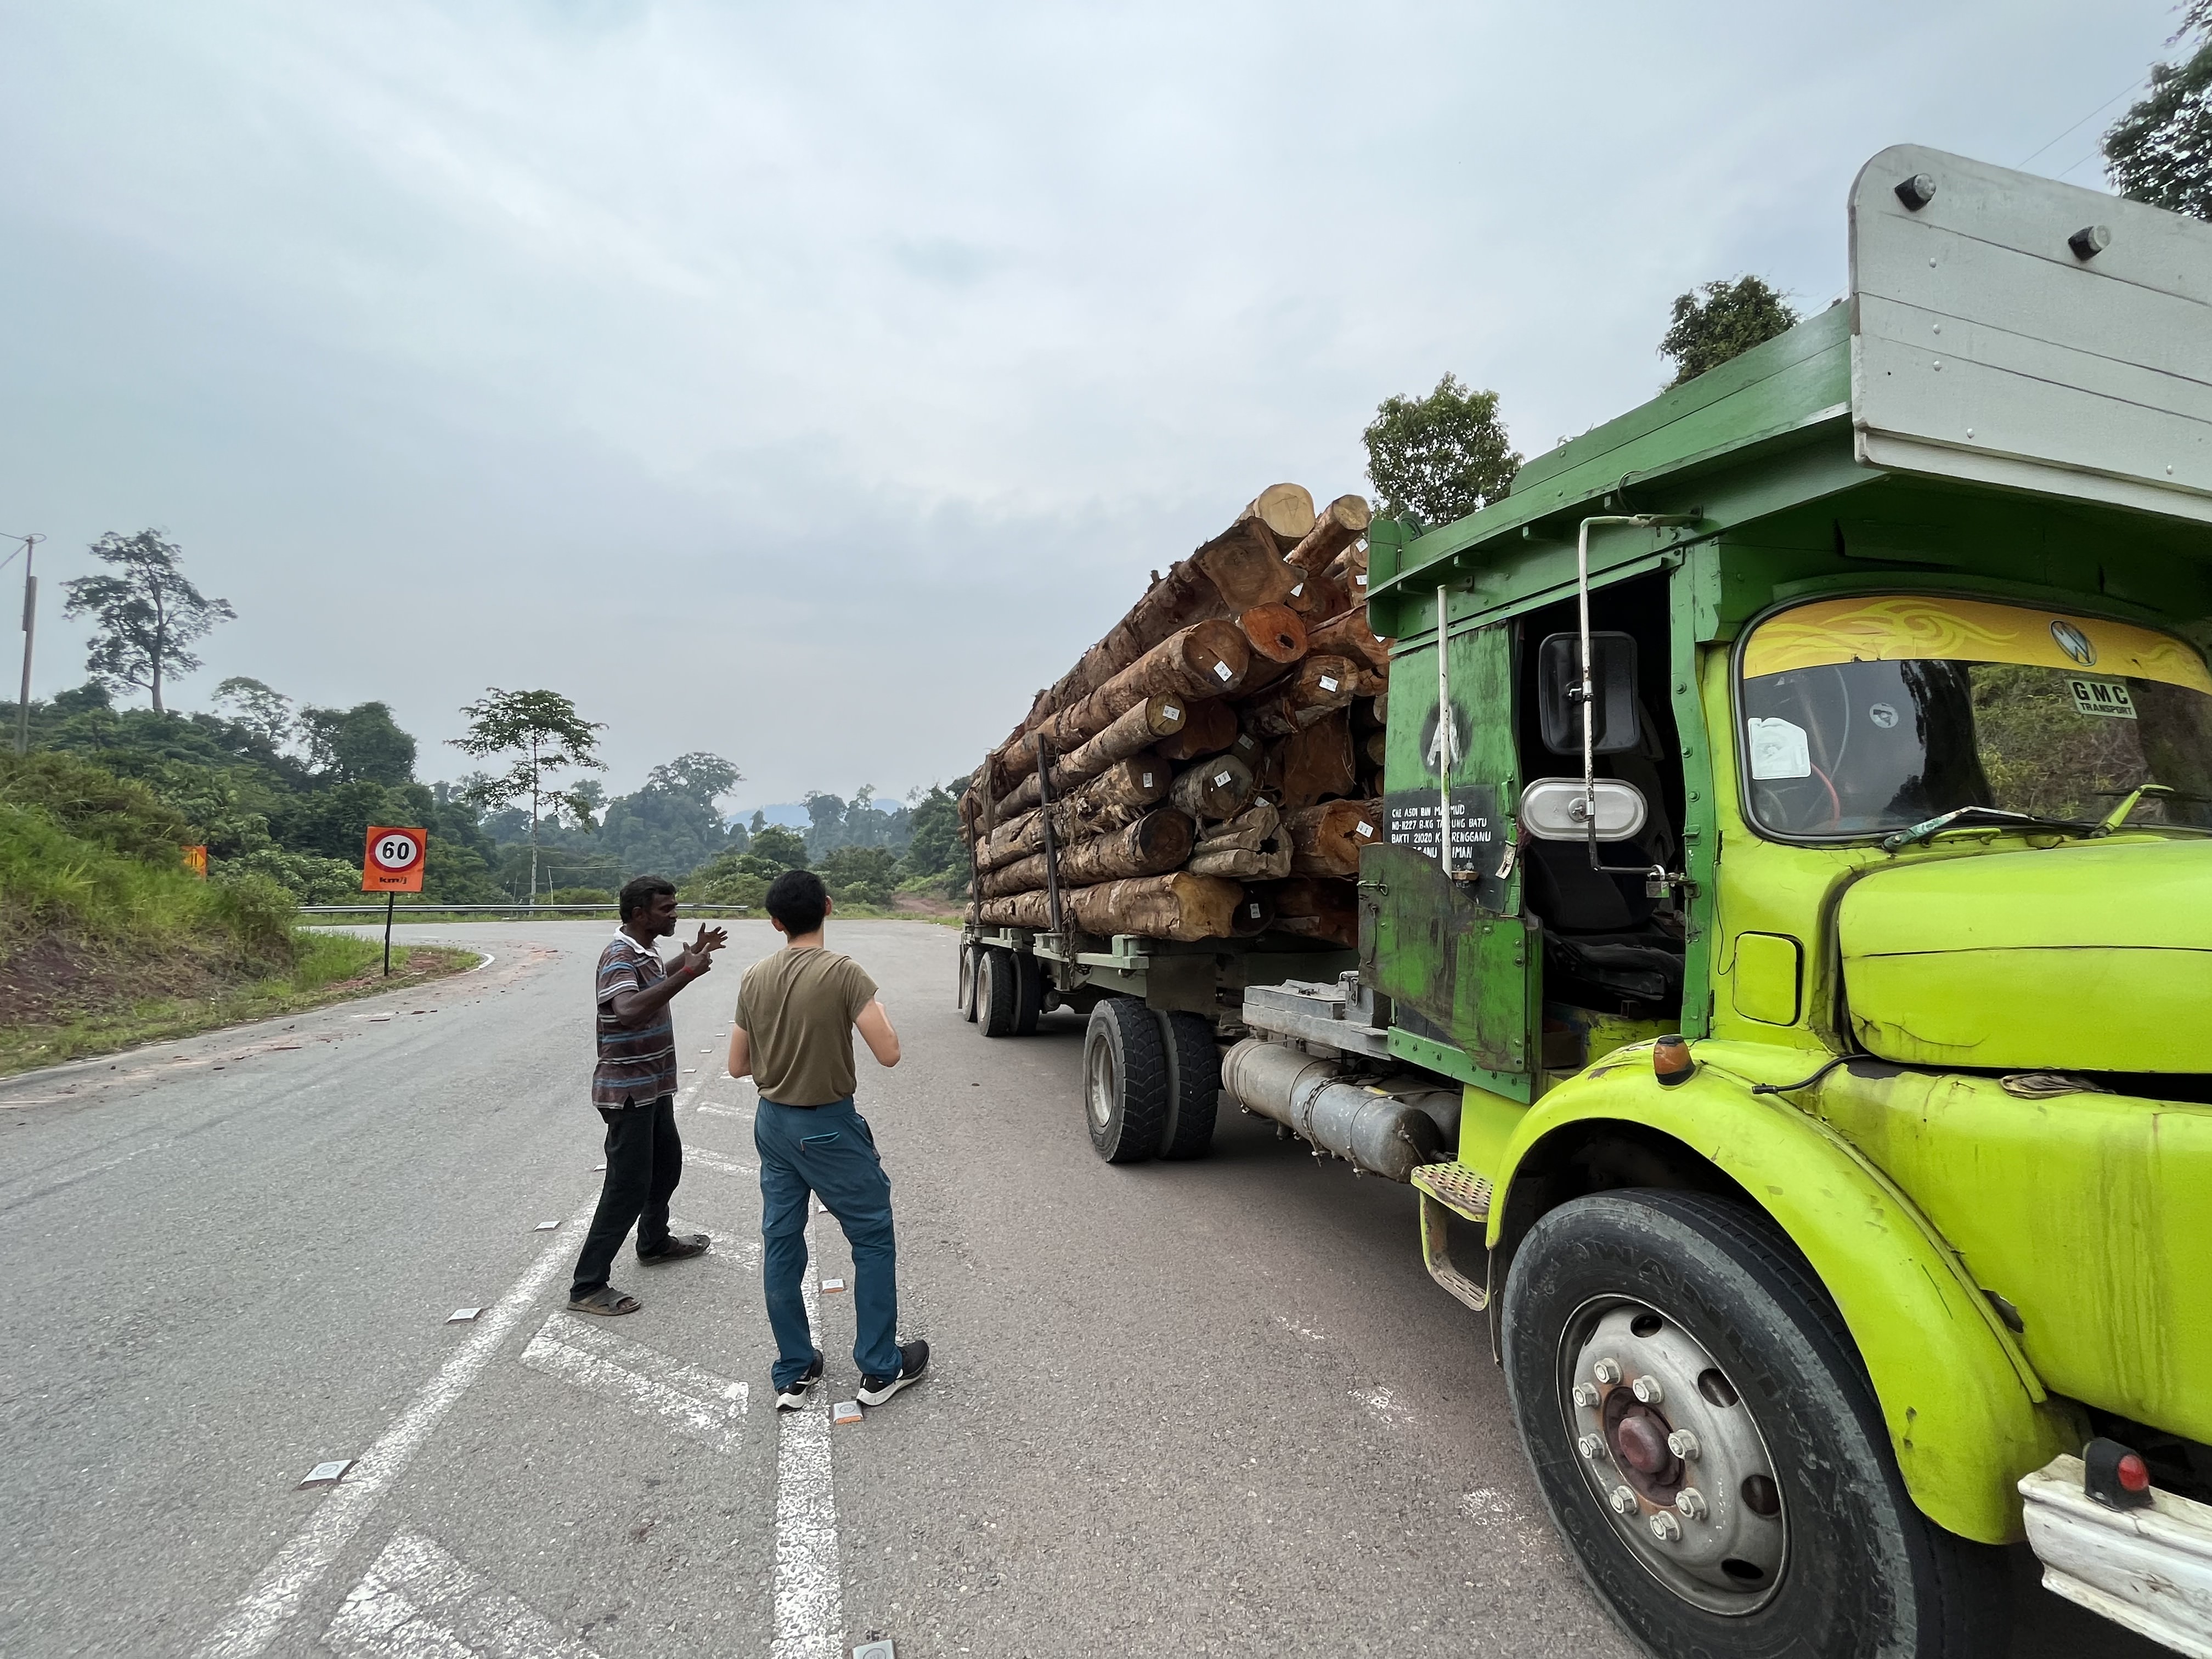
[(811, 384)]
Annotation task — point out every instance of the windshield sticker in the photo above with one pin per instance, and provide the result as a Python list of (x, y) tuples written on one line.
[(1778, 748), (1901, 628), (1882, 715), (2108, 697)]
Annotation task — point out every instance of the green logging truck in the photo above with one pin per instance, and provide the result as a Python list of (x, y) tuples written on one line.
[(1786, 971)]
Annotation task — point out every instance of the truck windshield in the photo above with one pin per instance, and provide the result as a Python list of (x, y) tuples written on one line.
[(1866, 715)]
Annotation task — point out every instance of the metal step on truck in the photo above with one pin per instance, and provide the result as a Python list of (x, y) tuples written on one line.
[(1786, 976)]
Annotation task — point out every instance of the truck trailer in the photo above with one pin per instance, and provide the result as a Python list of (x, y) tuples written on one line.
[(1784, 968)]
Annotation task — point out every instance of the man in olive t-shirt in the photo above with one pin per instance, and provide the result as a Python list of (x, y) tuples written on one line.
[(796, 1012)]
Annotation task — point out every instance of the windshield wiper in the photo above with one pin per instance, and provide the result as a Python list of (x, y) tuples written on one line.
[(1936, 826)]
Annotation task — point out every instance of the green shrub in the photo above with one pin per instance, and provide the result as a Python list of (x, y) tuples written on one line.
[(92, 803), (580, 896), (309, 877)]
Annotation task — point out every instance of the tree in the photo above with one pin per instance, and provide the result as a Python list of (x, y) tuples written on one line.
[(2160, 151), (1436, 458), (935, 826), (362, 744), (1730, 320), (145, 617), (546, 737), (266, 713), (705, 778), (780, 845)]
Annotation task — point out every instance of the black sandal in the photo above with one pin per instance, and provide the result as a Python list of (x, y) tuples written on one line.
[(678, 1248), (607, 1302)]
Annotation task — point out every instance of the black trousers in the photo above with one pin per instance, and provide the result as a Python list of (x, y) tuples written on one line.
[(645, 1160)]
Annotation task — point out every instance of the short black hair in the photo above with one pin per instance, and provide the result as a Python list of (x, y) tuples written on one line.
[(639, 892), (797, 899)]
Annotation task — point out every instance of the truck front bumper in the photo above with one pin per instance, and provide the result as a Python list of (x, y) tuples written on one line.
[(2147, 1569)]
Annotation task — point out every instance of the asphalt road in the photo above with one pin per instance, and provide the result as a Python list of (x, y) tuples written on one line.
[(1214, 1407)]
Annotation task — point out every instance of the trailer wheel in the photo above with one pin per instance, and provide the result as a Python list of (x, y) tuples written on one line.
[(1745, 1502), (994, 992), (1125, 1081), (1194, 1063), (1029, 994), (966, 1003)]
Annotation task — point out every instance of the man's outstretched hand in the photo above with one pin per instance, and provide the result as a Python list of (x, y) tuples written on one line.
[(699, 954)]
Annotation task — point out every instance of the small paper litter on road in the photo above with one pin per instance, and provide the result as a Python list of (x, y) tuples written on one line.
[(875, 1650), (845, 1411), (688, 1070), (463, 1315), (329, 1473), (831, 1286), (595, 1168), (545, 1227)]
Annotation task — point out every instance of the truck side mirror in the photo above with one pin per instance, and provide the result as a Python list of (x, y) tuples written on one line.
[(1612, 679)]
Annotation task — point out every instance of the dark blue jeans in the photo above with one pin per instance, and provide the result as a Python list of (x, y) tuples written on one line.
[(830, 1151)]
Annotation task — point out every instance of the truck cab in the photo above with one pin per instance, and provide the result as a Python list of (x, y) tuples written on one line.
[(1798, 863)]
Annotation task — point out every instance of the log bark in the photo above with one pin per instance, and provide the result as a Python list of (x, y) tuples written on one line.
[(1250, 830), (1249, 846), (1347, 635), (1181, 907), (1238, 569), (1318, 686), (1338, 525), (1317, 907), (1207, 660), (1275, 632), (1209, 728), (1374, 749), (1319, 597), (1326, 839), (1245, 863), (1156, 843), (1137, 728), (1216, 788), (1287, 512), (1139, 781), (1317, 762)]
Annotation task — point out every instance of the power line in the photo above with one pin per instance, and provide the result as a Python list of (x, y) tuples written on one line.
[(2139, 81)]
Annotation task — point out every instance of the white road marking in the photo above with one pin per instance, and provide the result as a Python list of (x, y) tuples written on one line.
[(809, 1594), (692, 1402), (275, 1596), (717, 1162), (416, 1601), (709, 1109)]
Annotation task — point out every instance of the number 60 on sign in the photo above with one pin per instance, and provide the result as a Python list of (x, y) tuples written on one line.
[(392, 861)]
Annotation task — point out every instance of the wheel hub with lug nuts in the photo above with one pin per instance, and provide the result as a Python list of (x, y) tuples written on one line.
[(1674, 1455)]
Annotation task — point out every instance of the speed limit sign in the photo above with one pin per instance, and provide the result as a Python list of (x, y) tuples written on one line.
[(392, 862)]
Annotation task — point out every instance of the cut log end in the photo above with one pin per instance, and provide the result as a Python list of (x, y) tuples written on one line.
[(1275, 632)]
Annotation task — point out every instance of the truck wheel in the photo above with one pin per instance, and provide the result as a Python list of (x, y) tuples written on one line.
[(1745, 1502), (1193, 1084), (1125, 1081), (966, 1003), (994, 992), (1029, 994)]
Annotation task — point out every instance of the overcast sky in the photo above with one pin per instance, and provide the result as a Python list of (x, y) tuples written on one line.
[(811, 383)]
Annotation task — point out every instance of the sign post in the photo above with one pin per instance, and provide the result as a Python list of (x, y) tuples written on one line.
[(392, 864)]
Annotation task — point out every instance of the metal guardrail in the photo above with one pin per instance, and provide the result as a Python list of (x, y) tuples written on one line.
[(607, 909)]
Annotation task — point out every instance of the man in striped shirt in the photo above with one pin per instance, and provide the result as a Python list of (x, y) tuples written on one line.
[(634, 1086)]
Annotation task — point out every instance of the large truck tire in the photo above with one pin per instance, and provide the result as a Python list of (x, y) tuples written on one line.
[(995, 988), (1800, 1537), (1029, 994), (1125, 1081), (1193, 1062), (966, 1003)]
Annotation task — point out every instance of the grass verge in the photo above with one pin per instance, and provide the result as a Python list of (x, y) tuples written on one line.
[(326, 967)]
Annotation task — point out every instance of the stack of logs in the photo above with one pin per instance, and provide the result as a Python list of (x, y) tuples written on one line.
[(1213, 767)]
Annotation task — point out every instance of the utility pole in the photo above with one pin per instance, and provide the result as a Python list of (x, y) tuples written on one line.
[(30, 622)]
